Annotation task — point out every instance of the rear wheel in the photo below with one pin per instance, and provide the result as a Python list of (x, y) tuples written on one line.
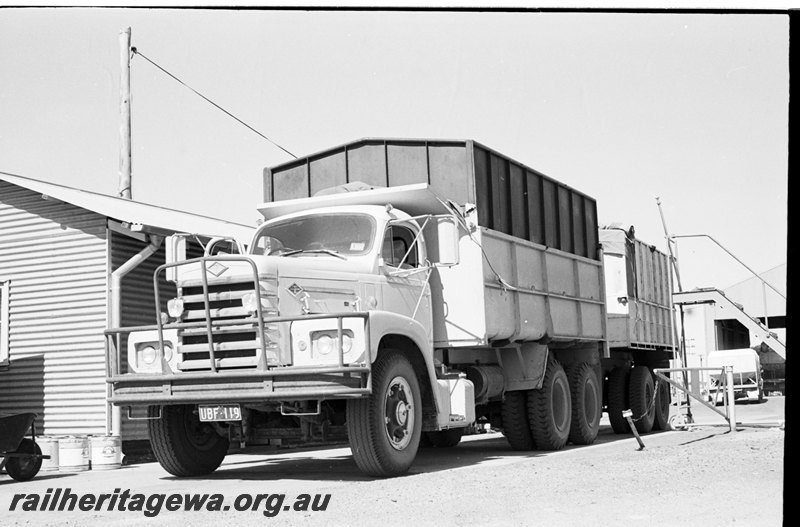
[(515, 421), (663, 401), (184, 445), (550, 409), (586, 403), (24, 468), (385, 428), (618, 399), (642, 393)]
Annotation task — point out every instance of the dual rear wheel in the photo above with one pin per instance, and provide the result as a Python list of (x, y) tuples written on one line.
[(634, 389), (566, 408)]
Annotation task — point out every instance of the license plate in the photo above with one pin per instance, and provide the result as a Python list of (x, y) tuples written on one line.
[(220, 412)]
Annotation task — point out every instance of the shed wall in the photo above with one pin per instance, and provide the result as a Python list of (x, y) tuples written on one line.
[(54, 255)]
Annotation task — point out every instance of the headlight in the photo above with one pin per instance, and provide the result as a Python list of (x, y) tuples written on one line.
[(149, 354), (324, 342), (167, 351), (175, 307), (250, 302), (323, 345)]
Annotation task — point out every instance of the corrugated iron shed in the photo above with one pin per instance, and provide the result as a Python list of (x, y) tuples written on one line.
[(58, 248)]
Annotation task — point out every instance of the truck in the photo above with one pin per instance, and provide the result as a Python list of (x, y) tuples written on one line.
[(747, 381), (402, 290)]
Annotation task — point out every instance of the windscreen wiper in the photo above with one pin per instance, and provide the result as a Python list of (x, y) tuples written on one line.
[(330, 252)]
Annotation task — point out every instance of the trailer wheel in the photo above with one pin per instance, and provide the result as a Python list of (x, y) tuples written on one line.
[(550, 409), (24, 468), (642, 392), (384, 429), (663, 401), (515, 421), (618, 399), (184, 445), (445, 438), (586, 403)]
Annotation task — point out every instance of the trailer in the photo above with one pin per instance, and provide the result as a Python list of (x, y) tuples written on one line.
[(405, 290)]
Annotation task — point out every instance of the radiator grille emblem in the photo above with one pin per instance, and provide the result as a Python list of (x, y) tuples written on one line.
[(216, 268)]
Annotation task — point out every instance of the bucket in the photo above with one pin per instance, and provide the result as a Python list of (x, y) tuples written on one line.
[(73, 454), (49, 447), (106, 452)]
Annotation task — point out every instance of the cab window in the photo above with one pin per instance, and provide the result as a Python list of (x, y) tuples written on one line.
[(399, 249)]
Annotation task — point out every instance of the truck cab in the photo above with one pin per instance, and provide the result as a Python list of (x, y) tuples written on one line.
[(326, 292)]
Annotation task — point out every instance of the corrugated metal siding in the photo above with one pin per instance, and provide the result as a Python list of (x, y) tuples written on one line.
[(54, 255)]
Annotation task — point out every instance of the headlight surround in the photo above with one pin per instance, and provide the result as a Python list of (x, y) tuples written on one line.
[(144, 355), (316, 342)]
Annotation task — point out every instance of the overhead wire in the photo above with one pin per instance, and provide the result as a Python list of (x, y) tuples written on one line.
[(135, 51)]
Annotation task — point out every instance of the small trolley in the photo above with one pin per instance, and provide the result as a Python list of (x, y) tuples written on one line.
[(19, 455)]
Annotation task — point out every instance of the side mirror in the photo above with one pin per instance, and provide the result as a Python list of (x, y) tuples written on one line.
[(445, 252)]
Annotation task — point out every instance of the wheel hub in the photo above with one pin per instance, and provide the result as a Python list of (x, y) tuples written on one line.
[(399, 413)]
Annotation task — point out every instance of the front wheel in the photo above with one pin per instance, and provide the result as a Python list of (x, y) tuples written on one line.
[(184, 445), (384, 429)]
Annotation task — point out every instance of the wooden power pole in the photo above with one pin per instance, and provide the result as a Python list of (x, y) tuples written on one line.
[(125, 114)]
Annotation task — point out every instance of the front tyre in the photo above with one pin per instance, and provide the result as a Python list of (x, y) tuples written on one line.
[(384, 429), (184, 445)]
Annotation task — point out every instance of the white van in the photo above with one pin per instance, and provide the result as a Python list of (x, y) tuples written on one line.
[(747, 381)]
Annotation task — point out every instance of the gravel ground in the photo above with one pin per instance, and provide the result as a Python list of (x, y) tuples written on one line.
[(704, 476)]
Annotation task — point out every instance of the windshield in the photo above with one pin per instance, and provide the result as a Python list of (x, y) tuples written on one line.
[(333, 234)]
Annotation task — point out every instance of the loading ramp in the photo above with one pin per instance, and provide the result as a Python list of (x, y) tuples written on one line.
[(712, 295)]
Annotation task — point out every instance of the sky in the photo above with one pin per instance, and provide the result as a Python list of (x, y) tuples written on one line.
[(626, 107)]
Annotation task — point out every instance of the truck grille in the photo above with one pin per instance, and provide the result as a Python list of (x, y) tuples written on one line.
[(236, 346)]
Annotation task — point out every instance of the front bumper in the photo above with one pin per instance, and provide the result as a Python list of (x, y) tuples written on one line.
[(261, 383), (279, 384)]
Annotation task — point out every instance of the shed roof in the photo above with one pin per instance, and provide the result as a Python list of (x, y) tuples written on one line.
[(140, 216)]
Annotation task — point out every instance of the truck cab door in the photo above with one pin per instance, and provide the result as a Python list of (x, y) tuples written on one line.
[(405, 290)]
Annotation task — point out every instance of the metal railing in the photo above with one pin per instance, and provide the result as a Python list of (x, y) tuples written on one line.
[(727, 384)]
